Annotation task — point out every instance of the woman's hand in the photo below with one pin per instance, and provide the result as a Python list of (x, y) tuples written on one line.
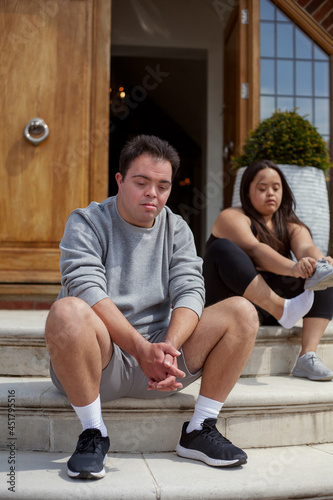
[(304, 268)]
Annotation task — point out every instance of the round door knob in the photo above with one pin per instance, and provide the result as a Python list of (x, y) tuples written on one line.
[(36, 131)]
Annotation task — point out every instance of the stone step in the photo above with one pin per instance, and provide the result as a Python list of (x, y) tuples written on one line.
[(22, 343), (24, 352), (260, 412), (303, 472), (277, 349)]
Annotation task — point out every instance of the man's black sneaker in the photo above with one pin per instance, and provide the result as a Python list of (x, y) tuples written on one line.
[(209, 446), (87, 461)]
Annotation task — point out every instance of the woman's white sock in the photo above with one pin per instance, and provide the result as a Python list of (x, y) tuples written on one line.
[(295, 308), (91, 416), (204, 408)]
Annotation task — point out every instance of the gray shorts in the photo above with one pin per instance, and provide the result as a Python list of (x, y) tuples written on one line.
[(123, 377)]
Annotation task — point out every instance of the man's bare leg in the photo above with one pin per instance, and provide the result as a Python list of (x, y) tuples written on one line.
[(79, 346), (221, 344)]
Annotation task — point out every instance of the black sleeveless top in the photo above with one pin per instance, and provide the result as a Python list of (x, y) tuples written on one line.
[(213, 238)]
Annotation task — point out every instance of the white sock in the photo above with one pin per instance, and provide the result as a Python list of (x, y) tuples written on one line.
[(91, 416), (204, 408), (295, 308)]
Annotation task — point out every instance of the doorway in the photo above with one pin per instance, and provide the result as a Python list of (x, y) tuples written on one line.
[(163, 95)]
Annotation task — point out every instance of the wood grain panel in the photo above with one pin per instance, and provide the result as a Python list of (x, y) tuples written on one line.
[(48, 75), (56, 66)]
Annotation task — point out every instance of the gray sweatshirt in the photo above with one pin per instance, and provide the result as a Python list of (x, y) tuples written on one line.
[(145, 272)]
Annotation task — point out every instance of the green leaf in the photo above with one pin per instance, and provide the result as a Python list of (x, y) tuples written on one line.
[(285, 137)]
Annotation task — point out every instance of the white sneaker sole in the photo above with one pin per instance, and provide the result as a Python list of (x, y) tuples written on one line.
[(198, 455), (313, 377), (321, 285), (86, 474)]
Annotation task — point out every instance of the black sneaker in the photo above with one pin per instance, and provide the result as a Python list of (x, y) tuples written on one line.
[(87, 461), (209, 446)]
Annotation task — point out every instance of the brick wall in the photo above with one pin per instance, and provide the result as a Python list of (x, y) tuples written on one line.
[(321, 11)]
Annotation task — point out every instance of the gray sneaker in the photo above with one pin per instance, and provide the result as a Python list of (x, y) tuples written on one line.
[(322, 278), (312, 367)]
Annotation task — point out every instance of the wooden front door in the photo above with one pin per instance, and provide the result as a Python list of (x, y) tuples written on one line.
[(54, 66)]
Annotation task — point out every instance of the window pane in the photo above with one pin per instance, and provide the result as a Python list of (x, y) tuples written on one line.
[(285, 103), (322, 116), (303, 46), (285, 78), (303, 78), (322, 80), (320, 54), (327, 140), (304, 107), (267, 41), (295, 72), (266, 10), (267, 107), (280, 16), (285, 40), (267, 76)]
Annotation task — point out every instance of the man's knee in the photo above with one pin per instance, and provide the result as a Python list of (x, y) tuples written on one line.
[(64, 319), (245, 305), (246, 315), (68, 308), (241, 313)]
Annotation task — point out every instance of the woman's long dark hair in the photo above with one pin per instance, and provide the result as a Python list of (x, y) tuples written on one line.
[(279, 238)]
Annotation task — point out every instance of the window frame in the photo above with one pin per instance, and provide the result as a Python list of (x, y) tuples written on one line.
[(305, 22)]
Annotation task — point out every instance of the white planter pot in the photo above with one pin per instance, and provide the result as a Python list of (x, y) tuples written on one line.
[(309, 187)]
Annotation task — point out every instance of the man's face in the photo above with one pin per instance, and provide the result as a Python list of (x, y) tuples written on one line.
[(144, 191)]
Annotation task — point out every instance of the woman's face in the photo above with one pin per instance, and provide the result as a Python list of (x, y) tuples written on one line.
[(265, 192)]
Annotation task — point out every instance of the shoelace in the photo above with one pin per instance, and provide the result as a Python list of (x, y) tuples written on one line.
[(211, 431), (324, 264), (89, 443), (314, 359)]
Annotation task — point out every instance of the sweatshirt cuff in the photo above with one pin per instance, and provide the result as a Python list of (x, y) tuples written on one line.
[(93, 295), (192, 303)]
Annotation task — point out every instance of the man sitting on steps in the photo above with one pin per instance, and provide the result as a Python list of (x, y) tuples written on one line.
[(130, 320)]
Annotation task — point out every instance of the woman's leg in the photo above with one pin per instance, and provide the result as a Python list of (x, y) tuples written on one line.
[(314, 325), (263, 296), (312, 332), (308, 364), (229, 271), (317, 319)]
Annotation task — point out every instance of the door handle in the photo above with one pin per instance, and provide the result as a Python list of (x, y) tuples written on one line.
[(36, 131)]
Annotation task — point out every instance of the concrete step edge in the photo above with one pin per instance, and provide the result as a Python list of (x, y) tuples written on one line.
[(249, 392), (25, 324), (260, 412), (272, 473)]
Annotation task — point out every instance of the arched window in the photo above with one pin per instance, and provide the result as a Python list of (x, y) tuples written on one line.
[(294, 70)]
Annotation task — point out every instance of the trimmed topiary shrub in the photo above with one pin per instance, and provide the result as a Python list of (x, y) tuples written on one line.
[(285, 138)]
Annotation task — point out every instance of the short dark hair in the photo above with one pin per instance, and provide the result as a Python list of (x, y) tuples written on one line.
[(150, 145)]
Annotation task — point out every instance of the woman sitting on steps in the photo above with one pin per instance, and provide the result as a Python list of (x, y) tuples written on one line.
[(249, 254)]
